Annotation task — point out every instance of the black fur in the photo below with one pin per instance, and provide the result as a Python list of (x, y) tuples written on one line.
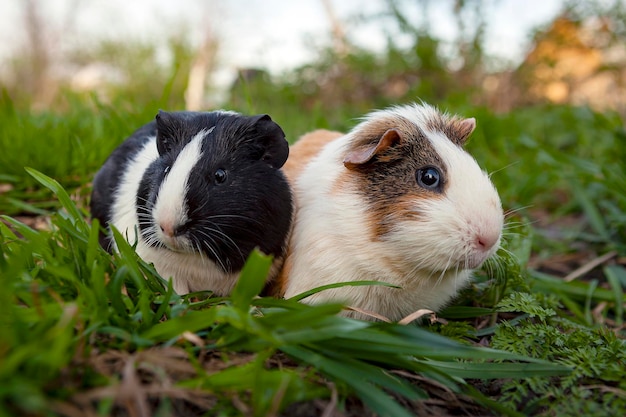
[(251, 206), (109, 176)]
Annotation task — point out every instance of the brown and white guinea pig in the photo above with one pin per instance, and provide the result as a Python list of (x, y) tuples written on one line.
[(198, 191), (396, 200)]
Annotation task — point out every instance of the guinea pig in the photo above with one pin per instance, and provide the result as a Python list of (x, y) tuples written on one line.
[(197, 192), (396, 200)]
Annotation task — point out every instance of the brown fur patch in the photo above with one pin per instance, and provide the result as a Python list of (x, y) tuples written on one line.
[(344, 182), (300, 154), (278, 286), (305, 149), (455, 128), (388, 182)]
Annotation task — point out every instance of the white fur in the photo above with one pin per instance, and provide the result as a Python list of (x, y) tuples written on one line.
[(189, 270), (170, 208), (124, 216), (430, 258)]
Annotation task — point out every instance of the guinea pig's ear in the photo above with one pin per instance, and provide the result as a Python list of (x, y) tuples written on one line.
[(461, 130), (168, 129), (364, 154), (274, 146)]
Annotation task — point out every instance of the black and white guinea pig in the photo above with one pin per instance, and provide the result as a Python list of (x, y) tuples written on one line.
[(397, 200), (202, 189)]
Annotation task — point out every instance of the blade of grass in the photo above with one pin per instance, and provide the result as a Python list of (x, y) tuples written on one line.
[(465, 312), (27, 207), (321, 288), (65, 200), (593, 284), (361, 378), (193, 322), (251, 280), (591, 211), (616, 275), (500, 369), (573, 308), (543, 282), (409, 340)]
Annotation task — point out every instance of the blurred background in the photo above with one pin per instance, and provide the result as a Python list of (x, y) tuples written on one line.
[(256, 55)]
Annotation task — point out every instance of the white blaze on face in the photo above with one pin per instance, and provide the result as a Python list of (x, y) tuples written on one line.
[(170, 208), (471, 202)]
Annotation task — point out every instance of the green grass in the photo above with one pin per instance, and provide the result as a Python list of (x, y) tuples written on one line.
[(86, 332), (69, 146)]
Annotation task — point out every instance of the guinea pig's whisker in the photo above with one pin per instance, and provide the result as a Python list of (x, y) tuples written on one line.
[(225, 239), (221, 227), (419, 267), (151, 238), (216, 242), (509, 253), (144, 200), (197, 211), (148, 228), (430, 276), (510, 212), (513, 226), (503, 168), (144, 212), (439, 278), (144, 219), (456, 281), (149, 205), (498, 265), (198, 249), (217, 228), (234, 216), (444, 270), (210, 248), (233, 228)]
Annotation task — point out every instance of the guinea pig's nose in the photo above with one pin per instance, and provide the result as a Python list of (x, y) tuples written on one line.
[(487, 239), (167, 229)]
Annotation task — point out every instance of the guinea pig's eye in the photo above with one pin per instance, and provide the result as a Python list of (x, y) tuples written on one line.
[(220, 176), (428, 177)]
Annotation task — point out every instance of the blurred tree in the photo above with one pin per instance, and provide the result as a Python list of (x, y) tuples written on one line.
[(359, 79), (32, 73), (142, 73), (340, 43), (580, 58), (202, 65), (54, 64)]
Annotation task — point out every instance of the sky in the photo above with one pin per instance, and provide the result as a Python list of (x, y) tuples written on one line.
[(272, 34)]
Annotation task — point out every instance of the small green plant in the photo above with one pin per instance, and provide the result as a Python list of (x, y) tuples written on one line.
[(596, 356)]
